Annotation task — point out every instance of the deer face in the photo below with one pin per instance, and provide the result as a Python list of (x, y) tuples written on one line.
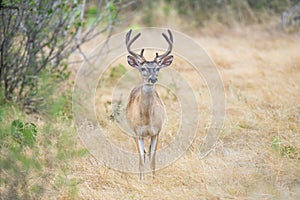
[(149, 69)]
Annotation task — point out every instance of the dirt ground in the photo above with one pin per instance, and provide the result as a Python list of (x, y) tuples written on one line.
[(260, 69)]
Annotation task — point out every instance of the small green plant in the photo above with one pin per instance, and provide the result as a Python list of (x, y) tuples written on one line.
[(276, 143), (117, 71), (24, 133), (114, 74), (285, 151)]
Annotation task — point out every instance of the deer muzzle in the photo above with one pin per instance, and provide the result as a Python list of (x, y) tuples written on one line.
[(152, 80)]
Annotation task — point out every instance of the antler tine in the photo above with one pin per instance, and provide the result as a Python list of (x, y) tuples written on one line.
[(171, 36), (133, 39), (170, 42), (128, 36), (170, 39), (129, 43), (142, 52)]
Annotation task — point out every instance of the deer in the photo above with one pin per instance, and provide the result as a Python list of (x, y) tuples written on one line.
[(145, 112)]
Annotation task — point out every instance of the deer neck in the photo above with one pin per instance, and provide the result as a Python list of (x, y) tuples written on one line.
[(147, 99)]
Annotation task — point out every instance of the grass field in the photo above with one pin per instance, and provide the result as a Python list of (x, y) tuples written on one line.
[(47, 152), (258, 153)]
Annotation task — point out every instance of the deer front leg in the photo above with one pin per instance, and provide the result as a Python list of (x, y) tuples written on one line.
[(153, 148), (140, 147)]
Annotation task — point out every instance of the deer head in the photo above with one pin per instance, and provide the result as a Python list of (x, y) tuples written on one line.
[(149, 69)]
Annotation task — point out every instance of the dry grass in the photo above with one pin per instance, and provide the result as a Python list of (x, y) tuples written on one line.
[(261, 75)]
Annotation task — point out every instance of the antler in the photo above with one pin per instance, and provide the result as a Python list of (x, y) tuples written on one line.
[(129, 43), (170, 42)]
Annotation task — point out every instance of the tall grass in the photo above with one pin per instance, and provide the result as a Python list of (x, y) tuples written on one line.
[(36, 149)]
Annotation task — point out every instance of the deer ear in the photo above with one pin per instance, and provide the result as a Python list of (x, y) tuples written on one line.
[(132, 61), (166, 61)]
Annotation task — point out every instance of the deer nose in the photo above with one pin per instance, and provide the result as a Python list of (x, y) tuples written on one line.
[(153, 79)]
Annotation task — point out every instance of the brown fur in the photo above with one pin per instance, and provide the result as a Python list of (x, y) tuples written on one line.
[(145, 110)]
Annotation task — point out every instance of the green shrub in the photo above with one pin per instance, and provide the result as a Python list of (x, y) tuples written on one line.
[(32, 154), (24, 133), (38, 36)]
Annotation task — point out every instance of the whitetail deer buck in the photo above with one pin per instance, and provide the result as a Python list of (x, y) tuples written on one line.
[(145, 111)]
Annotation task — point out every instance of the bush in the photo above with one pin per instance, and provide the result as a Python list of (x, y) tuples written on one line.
[(39, 35), (36, 38), (35, 156)]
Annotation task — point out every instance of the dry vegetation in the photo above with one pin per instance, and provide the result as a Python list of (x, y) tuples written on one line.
[(261, 75), (257, 155)]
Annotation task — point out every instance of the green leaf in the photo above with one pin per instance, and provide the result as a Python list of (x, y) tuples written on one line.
[(112, 10), (50, 11), (29, 133), (16, 130), (24, 133)]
